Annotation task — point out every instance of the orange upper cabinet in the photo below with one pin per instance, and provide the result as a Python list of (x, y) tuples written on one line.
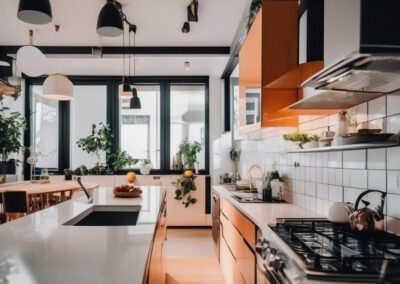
[(269, 58), (250, 78)]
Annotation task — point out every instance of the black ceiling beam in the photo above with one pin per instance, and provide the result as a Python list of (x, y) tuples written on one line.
[(168, 50)]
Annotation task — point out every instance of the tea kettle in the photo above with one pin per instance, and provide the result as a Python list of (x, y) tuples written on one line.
[(366, 219)]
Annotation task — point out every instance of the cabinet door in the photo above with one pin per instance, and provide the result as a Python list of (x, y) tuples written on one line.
[(247, 264), (250, 79), (194, 215)]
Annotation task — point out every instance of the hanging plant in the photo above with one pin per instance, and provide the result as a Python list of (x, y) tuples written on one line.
[(185, 185)]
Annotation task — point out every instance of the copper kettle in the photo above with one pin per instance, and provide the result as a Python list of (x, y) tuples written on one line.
[(366, 219)]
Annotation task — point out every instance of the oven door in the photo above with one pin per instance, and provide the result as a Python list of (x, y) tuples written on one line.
[(270, 274)]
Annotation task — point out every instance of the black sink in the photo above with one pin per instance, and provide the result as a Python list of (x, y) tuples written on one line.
[(99, 217)]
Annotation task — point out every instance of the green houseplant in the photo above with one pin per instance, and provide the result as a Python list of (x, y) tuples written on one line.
[(189, 152), (302, 138), (11, 126), (183, 188), (101, 140)]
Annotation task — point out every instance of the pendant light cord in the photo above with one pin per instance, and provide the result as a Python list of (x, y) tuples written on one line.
[(129, 74), (134, 54), (123, 57)]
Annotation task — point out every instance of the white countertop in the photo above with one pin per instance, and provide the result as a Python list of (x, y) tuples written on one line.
[(40, 249), (263, 214)]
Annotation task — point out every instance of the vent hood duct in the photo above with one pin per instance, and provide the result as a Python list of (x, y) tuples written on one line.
[(372, 71)]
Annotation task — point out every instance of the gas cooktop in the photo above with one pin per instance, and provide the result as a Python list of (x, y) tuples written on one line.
[(255, 199), (336, 250)]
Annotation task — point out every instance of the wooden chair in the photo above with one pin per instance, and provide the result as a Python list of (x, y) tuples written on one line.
[(15, 204)]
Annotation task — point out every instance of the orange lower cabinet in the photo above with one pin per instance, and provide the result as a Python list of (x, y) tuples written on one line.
[(247, 264), (261, 278)]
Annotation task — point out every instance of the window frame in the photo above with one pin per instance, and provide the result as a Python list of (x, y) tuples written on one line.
[(113, 117)]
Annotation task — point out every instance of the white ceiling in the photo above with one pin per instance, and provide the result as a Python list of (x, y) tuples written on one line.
[(159, 23), (145, 66)]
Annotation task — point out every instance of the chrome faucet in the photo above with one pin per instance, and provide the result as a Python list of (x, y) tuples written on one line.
[(87, 193), (255, 169)]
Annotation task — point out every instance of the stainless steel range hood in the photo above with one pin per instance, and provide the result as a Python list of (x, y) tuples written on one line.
[(354, 80), (372, 71)]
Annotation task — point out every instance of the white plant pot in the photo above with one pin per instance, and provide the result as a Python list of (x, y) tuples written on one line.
[(311, 145), (145, 169)]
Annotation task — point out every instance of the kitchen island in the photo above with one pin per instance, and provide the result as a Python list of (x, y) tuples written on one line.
[(42, 248)]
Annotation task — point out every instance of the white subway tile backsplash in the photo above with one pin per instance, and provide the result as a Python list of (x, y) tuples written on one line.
[(393, 158), (393, 104), (318, 175), (331, 176), (339, 177), (335, 193), (354, 159), (377, 179), (393, 124), (393, 182), (335, 159), (325, 175), (320, 206), (313, 204), (350, 194), (393, 208), (311, 188), (376, 159), (322, 191), (355, 178), (318, 159), (377, 108)]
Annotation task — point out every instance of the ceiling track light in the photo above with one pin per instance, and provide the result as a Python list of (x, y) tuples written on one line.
[(36, 12), (192, 11), (186, 27)]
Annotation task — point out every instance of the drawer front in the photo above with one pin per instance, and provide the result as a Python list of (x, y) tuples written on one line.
[(242, 224), (232, 237), (247, 264), (229, 266)]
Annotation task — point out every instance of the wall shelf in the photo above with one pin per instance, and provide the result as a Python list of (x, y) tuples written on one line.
[(348, 147)]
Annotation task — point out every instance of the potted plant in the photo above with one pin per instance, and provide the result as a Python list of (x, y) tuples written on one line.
[(11, 127), (303, 140), (227, 178), (234, 154), (145, 167), (101, 140), (313, 142), (184, 186), (189, 153)]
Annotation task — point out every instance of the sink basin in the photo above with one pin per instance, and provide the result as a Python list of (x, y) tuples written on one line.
[(107, 216)]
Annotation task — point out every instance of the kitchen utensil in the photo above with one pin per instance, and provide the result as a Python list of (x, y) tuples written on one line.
[(339, 212), (366, 219)]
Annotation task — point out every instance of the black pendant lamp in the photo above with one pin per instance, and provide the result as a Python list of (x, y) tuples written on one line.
[(37, 12), (110, 22), (135, 101), (126, 88)]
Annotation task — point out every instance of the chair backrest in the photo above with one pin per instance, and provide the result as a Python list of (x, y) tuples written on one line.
[(15, 202)]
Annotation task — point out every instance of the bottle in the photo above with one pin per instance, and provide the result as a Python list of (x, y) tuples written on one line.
[(267, 192)]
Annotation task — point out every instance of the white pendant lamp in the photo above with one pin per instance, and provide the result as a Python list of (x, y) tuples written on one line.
[(58, 87), (31, 61)]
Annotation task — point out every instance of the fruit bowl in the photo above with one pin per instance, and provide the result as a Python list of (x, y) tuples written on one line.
[(127, 191)]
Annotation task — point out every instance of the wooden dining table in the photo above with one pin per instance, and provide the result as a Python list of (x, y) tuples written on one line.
[(40, 192)]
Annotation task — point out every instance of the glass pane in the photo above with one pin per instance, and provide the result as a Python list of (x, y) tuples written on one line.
[(88, 107), (235, 95), (140, 128), (44, 129), (187, 118)]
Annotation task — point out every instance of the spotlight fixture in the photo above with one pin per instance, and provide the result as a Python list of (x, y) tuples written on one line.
[(37, 12), (192, 11), (58, 87), (186, 27), (187, 65), (5, 66), (110, 20)]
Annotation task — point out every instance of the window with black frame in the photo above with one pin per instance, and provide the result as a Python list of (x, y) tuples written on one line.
[(140, 128)]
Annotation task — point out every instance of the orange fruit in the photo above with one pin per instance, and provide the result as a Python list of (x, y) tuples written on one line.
[(188, 173), (131, 177)]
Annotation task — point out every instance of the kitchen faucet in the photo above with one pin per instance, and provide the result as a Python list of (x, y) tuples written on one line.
[(87, 193), (259, 173)]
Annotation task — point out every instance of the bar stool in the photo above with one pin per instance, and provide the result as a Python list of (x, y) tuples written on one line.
[(15, 204)]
